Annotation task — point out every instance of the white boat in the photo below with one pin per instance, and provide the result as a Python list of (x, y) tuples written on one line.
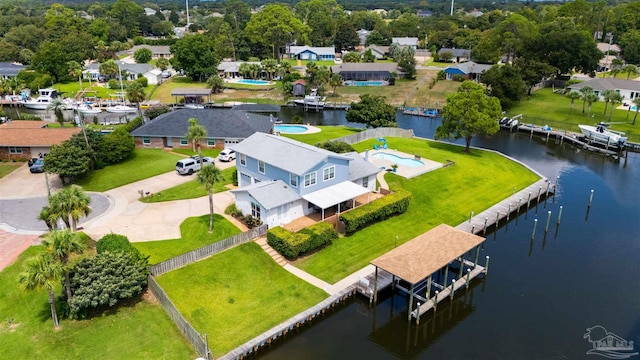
[(193, 106), (601, 134), (312, 101), (121, 109), (43, 100), (87, 109)]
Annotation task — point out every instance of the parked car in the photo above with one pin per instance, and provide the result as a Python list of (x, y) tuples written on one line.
[(37, 166), (166, 74), (227, 155), (191, 165)]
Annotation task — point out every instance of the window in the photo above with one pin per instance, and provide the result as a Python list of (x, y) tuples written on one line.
[(293, 180), (211, 142), (146, 140), (365, 182), (243, 159), (261, 167), (15, 150), (255, 210), (184, 141), (328, 173), (310, 179)]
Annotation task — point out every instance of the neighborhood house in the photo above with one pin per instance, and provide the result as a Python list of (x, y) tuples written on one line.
[(282, 179), (23, 140), (629, 89), (312, 53), (468, 70)]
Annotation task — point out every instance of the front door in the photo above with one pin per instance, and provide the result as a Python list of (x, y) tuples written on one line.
[(169, 142)]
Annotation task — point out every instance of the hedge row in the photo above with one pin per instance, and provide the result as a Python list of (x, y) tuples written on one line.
[(380, 209), (291, 245)]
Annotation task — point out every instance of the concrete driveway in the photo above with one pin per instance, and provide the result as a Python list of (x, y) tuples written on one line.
[(21, 184)]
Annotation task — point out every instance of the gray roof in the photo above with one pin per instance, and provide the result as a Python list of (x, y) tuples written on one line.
[(407, 41), (219, 123), (359, 167), (130, 68), (390, 67), (377, 48), (257, 108), (605, 47), (233, 66), (456, 52), (284, 153), (156, 49), (270, 194), (10, 69), (329, 50), (601, 84), (470, 67), (190, 91)]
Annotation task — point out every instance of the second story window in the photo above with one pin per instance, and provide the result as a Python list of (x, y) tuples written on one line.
[(293, 180), (243, 159), (309, 179), (261, 167), (328, 173)]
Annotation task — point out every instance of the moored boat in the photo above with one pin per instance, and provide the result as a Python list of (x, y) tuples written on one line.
[(601, 134), (43, 100)]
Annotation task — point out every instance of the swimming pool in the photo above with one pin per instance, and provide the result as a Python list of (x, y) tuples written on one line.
[(365, 83), (290, 129), (398, 160), (252, 82)]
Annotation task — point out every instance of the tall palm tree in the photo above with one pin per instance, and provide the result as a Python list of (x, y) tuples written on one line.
[(285, 67), (215, 83), (109, 68), (616, 98), (58, 107), (43, 271), (46, 216), (336, 80), (208, 176), (69, 204), (75, 70), (584, 93), (607, 95), (61, 244), (270, 66), (590, 99), (135, 94), (196, 133), (636, 102), (630, 70)]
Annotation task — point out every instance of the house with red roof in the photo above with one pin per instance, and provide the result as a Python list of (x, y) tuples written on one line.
[(25, 139)]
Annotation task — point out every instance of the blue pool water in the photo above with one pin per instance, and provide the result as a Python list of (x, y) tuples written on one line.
[(365, 83), (398, 160), (290, 129), (253, 82)]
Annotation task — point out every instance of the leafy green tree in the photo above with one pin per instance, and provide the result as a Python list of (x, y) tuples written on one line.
[(616, 98), (142, 55), (50, 59), (58, 106), (368, 56), (196, 134), (174, 17), (195, 54), (117, 146), (505, 83), (75, 70), (321, 17), (513, 34), (373, 111), (43, 271), (406, 62), (215, 83), (162, 28), (567, 47), (68, 161), (274, 27), (135, 94), (104, 280), (346, 37), (61, 244), (127, 13), (573, 95), (335, 81), (469, 112), (155, 111), (208, 176), (109, 68), (237, 14), (375, 38), (351, 57), (630, 45), (163, 63), (28, 36)]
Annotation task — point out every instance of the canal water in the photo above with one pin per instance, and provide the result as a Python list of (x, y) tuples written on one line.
[(541, 294)]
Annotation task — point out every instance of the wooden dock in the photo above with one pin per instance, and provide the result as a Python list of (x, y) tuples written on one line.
[(366, 286)]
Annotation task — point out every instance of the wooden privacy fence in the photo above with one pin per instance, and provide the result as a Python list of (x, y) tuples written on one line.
[(198, 341), (376, 133), (201, 253)]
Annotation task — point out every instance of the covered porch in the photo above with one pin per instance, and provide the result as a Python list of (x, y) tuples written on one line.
[(191, 95)]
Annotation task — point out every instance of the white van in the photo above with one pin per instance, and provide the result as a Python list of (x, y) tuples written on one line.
[(191, 165)]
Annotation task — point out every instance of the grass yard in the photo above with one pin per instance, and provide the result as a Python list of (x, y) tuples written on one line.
[(237, 295), (6, 169), (447, 195), (556, 113), (194, 233), (191, 190), (142, 164), (327, 133), (163, 92), (138, 330)]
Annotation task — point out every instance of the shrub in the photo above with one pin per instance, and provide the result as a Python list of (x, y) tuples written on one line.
[(380, 209), (234, 178), (291, 245), (143, 81), (441, 75), (233, 211), (251, 221), (113, 84), (112, 243), (155, 111), (133, 124), (117, 146), (339, 147)]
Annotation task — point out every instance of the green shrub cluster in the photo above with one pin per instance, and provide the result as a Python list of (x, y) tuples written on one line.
[(118, 243), (291, 245), (380, 209)]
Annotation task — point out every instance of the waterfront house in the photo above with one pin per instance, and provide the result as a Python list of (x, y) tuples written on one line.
[(231, 69), (629, 89), (224, 128), (129, 71), (23, 140), (312, 53), (9, 70), (282, 179), (468, 70)]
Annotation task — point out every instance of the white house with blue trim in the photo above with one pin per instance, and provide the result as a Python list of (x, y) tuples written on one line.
[(281, 179), (468, 70), (312, 53)]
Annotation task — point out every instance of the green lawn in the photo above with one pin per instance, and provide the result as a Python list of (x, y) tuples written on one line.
[(163, 92), (194, 234), (191, 190), (6, 169), (139, 330), (557, 115), (447, 195), (143, 163), (327, 133), (237, 295)]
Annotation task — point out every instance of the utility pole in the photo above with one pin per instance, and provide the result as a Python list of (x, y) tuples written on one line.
[(187, 3), (452, 7)]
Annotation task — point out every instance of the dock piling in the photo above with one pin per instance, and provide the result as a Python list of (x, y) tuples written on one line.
[(560, 214), (453, 284), (486, 266), (470, 216), (435, 302), (590, 198), (484, 229), (539, 190), (546, 228), (468, 274), (535, 224), (473, 227), (418, 313), (497, 218), (529, 200)]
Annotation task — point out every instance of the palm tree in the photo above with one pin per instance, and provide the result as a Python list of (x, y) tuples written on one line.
[(69, 204), (573, 95), (135, 94), (336, 80), (75, 70), (58, 106), (590, 99), (46, 216), (270, 66), (208, 176), (196, 134), (607, 95), (630, 70), (109, 68), (244, 69), (61, 244), (616, 98), (584, 92), (215, 83), (43, 271), (285, 67), (636, 102)]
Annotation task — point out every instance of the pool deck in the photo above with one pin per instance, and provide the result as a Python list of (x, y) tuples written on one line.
[(310, 129), (404, 171)]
